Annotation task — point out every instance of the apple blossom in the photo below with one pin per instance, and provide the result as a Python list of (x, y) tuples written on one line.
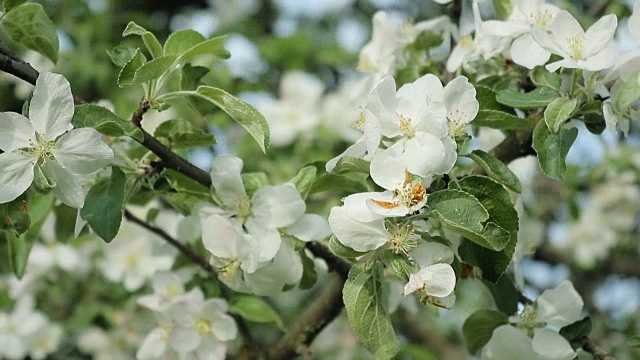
[(46, 148), (435, 279)]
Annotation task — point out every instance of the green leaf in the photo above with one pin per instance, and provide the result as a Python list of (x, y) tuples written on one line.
[(39, 208), (363, 296), (304, 180), (190, 76), (152, 69), (537, 98), (10, 4), (558, 112), (347, 183), (487, 99), (495, 119), (478, 328), (504, 293), (634, 342), (128, 72), (29, 25), (121, 55), (497, 201), (182, 40), (181, 202), (18, 248), (213, 46), (150, 41), (256, 310), (503, 8), (464, 214), (497, 170), (103, 120), (552, 149), (350, 164), (184, 184), (15, 215), (629, 92), (181, 134), (240, 111), (309, 274), (65, 222), (574, 333), (254, 181), (104, 204), (338, 248), (543, 78)]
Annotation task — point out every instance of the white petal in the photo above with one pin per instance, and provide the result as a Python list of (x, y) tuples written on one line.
[(355, 206), (68, 188), (15, 132), (428, 253), (460, 96), (358, 150), (508, 342), (286, 269), (268, 239), (360, 236), (387, 170), (82, 151), (546, 41), (184, 339), (563, 27), (220, 237), (372, 131), (602, 60), (226, 179), (526, 52), (423, 155), (428, 84), (153, 346), (310, 227), (277, 206), (551, 345), (437, 280), (16, 175), (560, 306), (634, 22), (599, 35), (51, 107)]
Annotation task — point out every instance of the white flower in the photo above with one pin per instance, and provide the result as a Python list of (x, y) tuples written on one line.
[(296, 113), (167, 287), (588, 50), (560, 306), (436, 278), (508, 342), (417, 124), (634, 21), (46, 146)]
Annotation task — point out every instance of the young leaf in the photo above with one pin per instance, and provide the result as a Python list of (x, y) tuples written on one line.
[(497, 201), (543, 78), (341, 250), (240, 111), (103, 120), (497, 170), (18, 248), (29, 25), (190, 76), (182, 134), (213, 46), (558, 112), (128, 71), (256, 310), (552, 149), (10, 4), (364, 301), (495, 119), (254, 181), (464, 214), (150, 41), (350, 164), (487, 99), (152, 69), (104, 204), (478, 328), (537, 98), (121, 55), (304, 180), (182, 40), (628, 93)]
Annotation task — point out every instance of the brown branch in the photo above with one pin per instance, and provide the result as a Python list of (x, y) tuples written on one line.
[(326, 308)]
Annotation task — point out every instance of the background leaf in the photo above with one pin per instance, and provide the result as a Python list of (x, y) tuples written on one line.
[(104, 204), (29, 25)]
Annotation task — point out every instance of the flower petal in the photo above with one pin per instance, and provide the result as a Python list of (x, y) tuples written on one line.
[(560, 306), (15, 132), (51, 107), (277, 206), (387, 170), (16, 175), (310, 227), (599, 34), (68, 187), (226, 179), (360, 236), (429, 253), (551, 345), (82, 151), (355, 206), (437, 280), (525, 51)]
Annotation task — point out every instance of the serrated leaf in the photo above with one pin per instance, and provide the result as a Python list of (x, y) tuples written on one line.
[(10, 4), (103, 120), (121, 55), (256, 310), (338, 248), (128, 71), (350, 164), (153, 69), (552, 149), (543, 78), (213, 46), (181, 134), (29, 25), (497, 201), (240, 111), (104, 204), (363, 296), (540, 97), (495, 119), (462, 213), (558, 112), (190, 76), (152, 44), (304, 180), (497, 170), (478, 328), (182, 40)]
